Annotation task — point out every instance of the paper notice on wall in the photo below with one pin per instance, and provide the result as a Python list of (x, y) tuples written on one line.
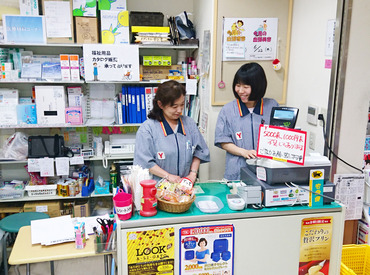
[(350, 191), (33, 165), (62, 166), (58, 18), (46, 167)]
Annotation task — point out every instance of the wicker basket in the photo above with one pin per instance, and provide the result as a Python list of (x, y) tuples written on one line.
[(174, 207), (355, 260)]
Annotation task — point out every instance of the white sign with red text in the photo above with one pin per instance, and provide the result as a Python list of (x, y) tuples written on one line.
[(283, 144)]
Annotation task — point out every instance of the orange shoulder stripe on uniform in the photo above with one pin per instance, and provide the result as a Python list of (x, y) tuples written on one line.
[(163, 129), (182, 126), (239, 108), (261, 106)]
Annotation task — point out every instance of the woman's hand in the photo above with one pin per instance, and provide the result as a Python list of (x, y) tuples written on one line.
[(192, 176), (249, 154), (173, 178)]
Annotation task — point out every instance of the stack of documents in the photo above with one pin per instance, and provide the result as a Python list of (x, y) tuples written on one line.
[(52, 231)]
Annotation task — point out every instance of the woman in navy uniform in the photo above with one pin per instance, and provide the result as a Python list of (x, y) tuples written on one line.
[(238, 122), (167, 143)]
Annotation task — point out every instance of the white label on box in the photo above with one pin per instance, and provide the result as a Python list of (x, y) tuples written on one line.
[(41, 208), (261, 173)]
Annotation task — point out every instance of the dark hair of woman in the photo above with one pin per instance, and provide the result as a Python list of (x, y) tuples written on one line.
[(251, 74), (167, 93), (202, 240)]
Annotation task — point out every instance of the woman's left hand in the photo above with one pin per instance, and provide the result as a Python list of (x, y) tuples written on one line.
[(192, 177)]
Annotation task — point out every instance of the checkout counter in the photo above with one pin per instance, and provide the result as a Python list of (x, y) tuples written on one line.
[(266, 241)]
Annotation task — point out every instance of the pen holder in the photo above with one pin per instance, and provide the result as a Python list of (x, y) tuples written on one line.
[(123, 205), (105, 246), (87, 190)]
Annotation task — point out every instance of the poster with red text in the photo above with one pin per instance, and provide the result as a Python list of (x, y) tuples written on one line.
[(314, 254), (207, 250), (283, 144)]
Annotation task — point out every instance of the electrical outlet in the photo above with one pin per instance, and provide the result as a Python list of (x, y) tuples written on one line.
[(311, 140), (324, 112)]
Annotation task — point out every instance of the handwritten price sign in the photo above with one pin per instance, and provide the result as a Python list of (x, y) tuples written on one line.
[(282, 144)]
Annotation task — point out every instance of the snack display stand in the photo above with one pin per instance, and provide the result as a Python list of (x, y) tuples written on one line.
[(266, 241)]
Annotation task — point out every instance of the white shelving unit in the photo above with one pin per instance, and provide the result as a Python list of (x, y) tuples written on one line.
[(15, 169)]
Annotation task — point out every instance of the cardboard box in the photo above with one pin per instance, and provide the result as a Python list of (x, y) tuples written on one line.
[(52, 208), (157, 72), (11, 209), (87, 31), (54, 19), (81, 210)]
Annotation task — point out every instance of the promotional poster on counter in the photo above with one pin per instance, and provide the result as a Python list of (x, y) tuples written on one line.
[(207, 250), (316, 235), (151, 252)]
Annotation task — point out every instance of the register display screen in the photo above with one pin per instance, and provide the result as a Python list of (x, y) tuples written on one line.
[(284, 116)]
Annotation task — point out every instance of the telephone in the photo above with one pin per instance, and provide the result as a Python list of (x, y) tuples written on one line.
[(118, 149), (118, 145)]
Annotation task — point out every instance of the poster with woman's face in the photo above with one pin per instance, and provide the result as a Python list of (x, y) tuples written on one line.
[(207, 249)]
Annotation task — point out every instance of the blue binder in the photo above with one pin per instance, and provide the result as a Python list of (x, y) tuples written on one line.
[(143, 104)]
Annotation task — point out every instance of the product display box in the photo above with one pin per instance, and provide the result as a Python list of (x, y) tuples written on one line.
[(157, 72), (87, 31), (26, 114), (58, 21), (50, 104), (52, 208), (74, 115), (114, 27)]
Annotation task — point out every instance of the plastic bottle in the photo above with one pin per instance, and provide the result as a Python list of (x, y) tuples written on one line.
[(184, 70), (113, 178), (80, 183), (194, 67)]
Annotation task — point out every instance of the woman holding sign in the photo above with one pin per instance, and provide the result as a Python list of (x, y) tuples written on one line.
[(238, 122), (167, 143)]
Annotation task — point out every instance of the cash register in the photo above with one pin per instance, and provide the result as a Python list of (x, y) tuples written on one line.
[(279, 180)]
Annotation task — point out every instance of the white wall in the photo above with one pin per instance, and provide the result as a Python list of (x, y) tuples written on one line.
[(356, 90), (203, 21), (308, 80)]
